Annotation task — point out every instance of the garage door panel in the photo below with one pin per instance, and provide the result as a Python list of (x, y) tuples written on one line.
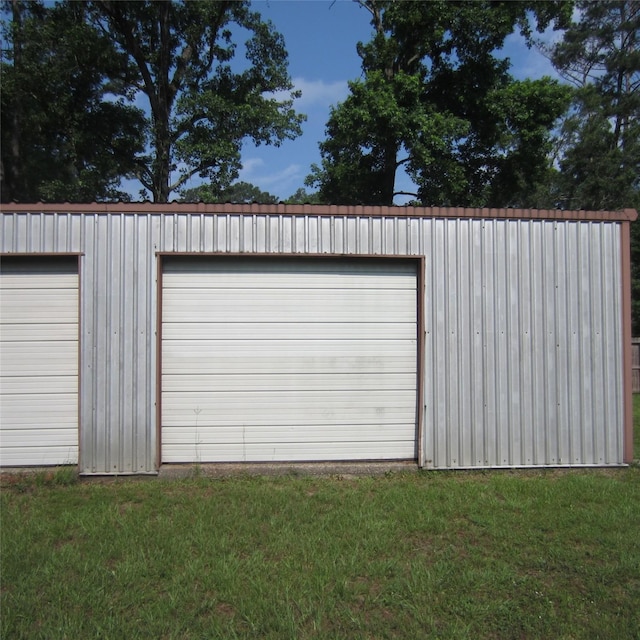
[(288, 330), (40, 437), (49, 332), (39, 358), (304, 434), (349, 306), (285, 360), (199, 409), (45, 282), (34, 384), (286, 452), (34, 455), (249, 382), (252, 355), (253, 269), (38, 361), (290, 364), (37, 409), (260, 282), (39, 306)]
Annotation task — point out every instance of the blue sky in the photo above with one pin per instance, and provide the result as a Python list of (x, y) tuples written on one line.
[(321, 38)]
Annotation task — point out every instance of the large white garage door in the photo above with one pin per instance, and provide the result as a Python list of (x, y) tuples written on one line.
[(288, 360), (38, 361)]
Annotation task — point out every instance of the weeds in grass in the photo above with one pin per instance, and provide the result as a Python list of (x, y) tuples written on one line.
[(52, 477)]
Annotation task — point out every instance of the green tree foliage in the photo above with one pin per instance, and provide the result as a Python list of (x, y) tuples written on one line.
[(600, 161), (436, 100), (61, 138), (203, 103), (302, 196), (237, 193)]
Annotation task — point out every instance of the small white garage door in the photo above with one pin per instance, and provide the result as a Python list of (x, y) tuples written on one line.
[(38, 361), (288, 359)]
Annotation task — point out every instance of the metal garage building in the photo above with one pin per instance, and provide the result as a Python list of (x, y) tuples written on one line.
[(133, 335)]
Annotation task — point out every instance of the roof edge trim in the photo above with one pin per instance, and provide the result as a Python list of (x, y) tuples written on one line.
[(624, 215)]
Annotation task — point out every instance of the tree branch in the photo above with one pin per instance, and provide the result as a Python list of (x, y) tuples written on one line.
[(405, 193), (186, 176), (109, 9)]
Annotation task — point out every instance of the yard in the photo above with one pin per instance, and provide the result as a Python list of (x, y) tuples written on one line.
[(523, 554)]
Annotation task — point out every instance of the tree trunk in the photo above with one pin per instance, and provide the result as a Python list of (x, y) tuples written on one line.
[(162, 161), (389, 172)]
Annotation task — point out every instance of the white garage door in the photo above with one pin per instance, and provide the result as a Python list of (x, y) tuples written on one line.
[(38, 361), (288, 360)]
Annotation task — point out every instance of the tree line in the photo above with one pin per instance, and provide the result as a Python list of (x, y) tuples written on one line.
[(95, 92), (438, 101)]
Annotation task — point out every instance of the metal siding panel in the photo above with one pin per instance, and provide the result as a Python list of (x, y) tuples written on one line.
[(540, 367), (6, 227), (351, 235), (101, 285), (314, 242), (489, 343), (438, 302), (115, 365), (597, 354), (454, 339), (477, 393), (612, 341), (616, 341), (425, 229), (465, 339), (563, 343), (146, 360), (513, 342), (503, 398), (548, 428), (575, 320), (118, 425), (325, 228), (526, 312), (127, 327)]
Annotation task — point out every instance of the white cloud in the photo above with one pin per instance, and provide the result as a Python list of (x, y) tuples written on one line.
[(321, 93), (281, 183), (316, 93), (249, 167)]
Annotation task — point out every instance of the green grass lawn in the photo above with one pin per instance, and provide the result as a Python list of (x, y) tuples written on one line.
[(535, 554), (636, 426)]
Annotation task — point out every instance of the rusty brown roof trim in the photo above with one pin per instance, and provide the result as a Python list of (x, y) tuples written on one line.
[(322, 210)]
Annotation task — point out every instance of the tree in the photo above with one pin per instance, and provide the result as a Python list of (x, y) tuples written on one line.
[(237, 193), (202, 105), (61, 138), (600, 152), (600, 161), (436, 101), (302, 196)]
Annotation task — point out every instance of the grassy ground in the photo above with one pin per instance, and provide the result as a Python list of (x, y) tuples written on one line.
[(636, 426), (549, 554)]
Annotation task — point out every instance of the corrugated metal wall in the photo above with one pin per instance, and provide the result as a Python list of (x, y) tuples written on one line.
[(523, 329), (524, 344)]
